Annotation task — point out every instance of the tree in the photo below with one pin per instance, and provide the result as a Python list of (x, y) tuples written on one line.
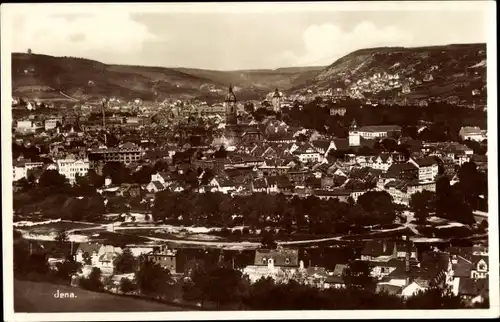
[(52, 179), (62, 237), (67, 269), (117, 171), (443, 194), (94, 208), (152, 279), (127, 286), (434, 298), (93, 281), (125, 262), (225, 285), (423, 204), (267, 241), (87, 258), (379, 206), (357, 275)]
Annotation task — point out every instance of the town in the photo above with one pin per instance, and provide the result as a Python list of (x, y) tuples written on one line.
[(326, 194)]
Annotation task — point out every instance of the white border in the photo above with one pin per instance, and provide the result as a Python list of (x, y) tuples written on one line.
[(487, 6)]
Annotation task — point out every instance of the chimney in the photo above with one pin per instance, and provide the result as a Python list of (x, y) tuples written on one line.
[(270, 263), (407, 256)]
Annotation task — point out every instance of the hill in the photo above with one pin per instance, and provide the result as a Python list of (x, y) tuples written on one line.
[(456, 72), (67, 78), (436, 71), (38, 297)]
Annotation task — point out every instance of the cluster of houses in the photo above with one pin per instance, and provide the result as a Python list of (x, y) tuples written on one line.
[(396, 266)]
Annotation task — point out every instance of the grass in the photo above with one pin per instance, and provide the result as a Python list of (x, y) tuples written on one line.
[(38, 297), (117, 238)]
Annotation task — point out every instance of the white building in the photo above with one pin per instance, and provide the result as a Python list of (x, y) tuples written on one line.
[(26, 126), (378, 131), (51, 124), (472, 133), (20, 169), (428, 168), (71, 167)]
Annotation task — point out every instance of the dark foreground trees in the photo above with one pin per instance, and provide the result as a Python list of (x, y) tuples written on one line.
[(265, 294)]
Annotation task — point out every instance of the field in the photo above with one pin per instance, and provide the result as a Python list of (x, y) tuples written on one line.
[(38, 297)]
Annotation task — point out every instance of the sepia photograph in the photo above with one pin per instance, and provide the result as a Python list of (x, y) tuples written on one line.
[(249, 160)]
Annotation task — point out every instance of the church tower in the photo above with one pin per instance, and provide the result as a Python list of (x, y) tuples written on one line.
[(230, 107), (354, 134), (276, 101)]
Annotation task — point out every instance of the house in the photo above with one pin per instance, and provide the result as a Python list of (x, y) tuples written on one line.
[(307, 153), (155, 186), (277, 184), (382, 162), (164, 257), (376, 250), (221, 184), (473, 290), (479, 268), (403, 171), (334, 281), (382, 268), (323, 146), (88, 249), (279, 264), (428, 168)]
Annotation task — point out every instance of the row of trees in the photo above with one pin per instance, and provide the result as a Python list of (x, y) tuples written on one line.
[(260, 210)]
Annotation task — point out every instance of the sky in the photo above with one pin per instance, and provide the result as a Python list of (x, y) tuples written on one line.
[(240, 38)]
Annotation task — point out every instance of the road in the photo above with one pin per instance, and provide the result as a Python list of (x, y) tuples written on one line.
[(113, 227)]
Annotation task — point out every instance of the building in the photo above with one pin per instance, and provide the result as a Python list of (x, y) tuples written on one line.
[(428, 168), (279, 264), (164, 257), (472, 133), (379, 131), (307, 153), (215, 109), (338, 111), (127, 153), (354, 135), (51, 123), (230, 107), (21, 169), (26, 126), (71, 167), (276, 101)]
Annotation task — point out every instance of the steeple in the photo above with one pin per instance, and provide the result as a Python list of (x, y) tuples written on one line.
[(230, 97), (354, 126), (230, 106)]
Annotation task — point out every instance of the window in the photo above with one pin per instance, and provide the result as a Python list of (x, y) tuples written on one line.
[(287, 261), (264, 260)]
